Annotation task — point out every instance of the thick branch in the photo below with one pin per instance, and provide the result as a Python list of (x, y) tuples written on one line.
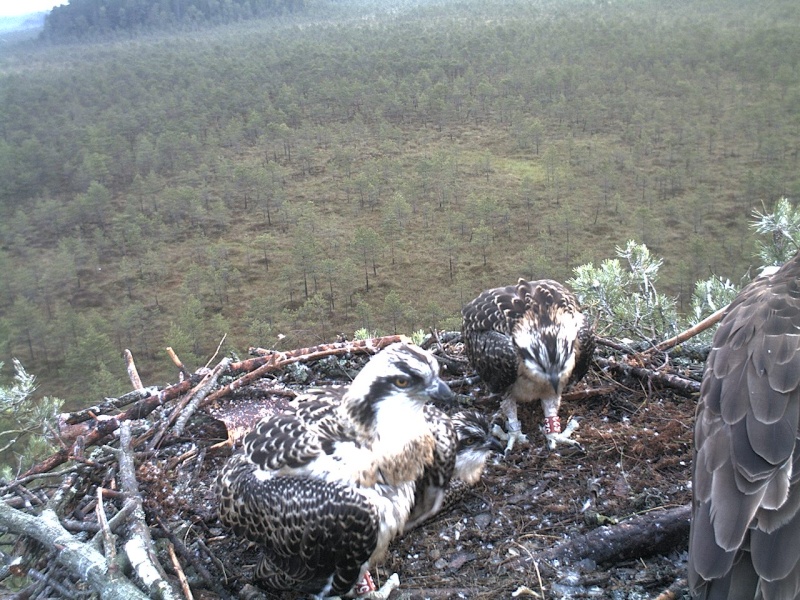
[(709, 321), (107, 406), (139, 546), (644, 535), (687, 386), (82, 560), (133, 373)]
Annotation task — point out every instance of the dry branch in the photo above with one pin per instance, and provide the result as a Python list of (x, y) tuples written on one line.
[(139, 546), (686, 386), (270, 360), (82, 560), (710, 320), (200, 393), (369, 346), (644, 535), (94, 430), (107, 406), (133, 373)]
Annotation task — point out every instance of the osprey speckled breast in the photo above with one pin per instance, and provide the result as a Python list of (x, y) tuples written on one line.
[(324, 488), (528, 341)]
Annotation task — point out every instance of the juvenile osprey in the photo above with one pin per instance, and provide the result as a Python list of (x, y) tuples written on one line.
[(323, 488), (528, 341), (745, 533), (474, 443)]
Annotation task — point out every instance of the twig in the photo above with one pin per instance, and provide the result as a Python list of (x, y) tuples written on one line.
[(139, 547), (277, 360), (369, 346), (109, 547), (572, 395), (709, 321), (179, 570), (213, 356), (687, 386), (133, 373), (49, 581), (199, 394), (115, 522), (196, 564), (192, 399)]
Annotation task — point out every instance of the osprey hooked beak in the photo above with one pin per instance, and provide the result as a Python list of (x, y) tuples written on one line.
[(439, 390), (555, 380)]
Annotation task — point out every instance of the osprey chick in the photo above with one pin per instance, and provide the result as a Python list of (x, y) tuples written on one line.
[(528, 341), (745, 534), (323, 488), (464, 446)]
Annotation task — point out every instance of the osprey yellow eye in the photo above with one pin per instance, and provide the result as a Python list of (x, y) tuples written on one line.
[(401, 382)]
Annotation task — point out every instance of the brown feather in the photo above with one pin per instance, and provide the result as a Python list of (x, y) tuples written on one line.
[(524, 340), (745, 534)]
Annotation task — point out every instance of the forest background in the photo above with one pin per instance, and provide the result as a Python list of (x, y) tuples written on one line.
[(277, 179)]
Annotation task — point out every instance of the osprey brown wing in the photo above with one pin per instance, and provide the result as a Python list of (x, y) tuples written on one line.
[(746, 525), (486, 331), (294, 520)]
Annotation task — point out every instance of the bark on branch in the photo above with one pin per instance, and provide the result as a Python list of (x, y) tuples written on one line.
[(82, 560), (709, 321), (139, 546), (644, 535), (686, 386)]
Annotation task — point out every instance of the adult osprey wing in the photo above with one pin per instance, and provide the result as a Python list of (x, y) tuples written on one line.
[(745, 534)]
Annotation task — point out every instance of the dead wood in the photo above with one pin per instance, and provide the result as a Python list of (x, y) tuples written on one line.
[(133, 372), (184, 410), (139, 546), (108, 405), (92, 431), (657, 532), (709, 321), (686, 386), (281, 359), (177, 362), (82, 560)]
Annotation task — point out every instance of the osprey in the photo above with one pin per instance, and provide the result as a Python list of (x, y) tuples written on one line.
[(745, 533), (324, 487), (528, 341), (474, 442)]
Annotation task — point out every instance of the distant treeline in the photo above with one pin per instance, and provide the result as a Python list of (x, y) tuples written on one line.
[(92, 18)]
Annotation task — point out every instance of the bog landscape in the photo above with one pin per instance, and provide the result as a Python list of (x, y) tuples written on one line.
[(183, 183)]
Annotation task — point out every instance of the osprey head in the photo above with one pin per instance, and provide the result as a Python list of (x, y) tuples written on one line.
[(474, 432), (546, 347), (400, 375), (475, 443)]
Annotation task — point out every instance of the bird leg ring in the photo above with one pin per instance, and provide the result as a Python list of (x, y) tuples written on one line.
[(365, 585), (552, 424)]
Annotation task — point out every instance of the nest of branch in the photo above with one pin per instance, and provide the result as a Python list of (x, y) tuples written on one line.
[(126, 508)]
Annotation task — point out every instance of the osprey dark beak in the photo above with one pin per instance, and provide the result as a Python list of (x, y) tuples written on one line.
[(494, 444), (555, 381), (439, 390)]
